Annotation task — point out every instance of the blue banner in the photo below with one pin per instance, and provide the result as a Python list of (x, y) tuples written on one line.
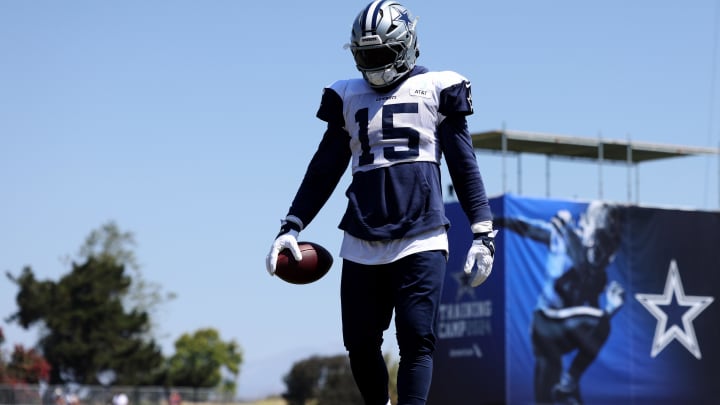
[(588, 302), (470, 354)]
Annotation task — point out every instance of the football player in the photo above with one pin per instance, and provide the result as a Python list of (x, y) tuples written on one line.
[(570, 317), (393, 125)]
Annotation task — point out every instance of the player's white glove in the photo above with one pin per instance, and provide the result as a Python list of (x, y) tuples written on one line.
[(562, 218), (614, 298), (286, 239), (481, 253)]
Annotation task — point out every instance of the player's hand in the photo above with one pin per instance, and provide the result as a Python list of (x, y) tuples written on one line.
[(562, 221), (563, 217), (284, 241), (614, 297), (481, 253)]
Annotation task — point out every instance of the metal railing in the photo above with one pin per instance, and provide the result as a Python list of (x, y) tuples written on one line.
[(42, 394)]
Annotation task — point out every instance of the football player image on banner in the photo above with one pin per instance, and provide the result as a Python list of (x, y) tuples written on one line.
[(609, 303), (590, 303), (569, 318)]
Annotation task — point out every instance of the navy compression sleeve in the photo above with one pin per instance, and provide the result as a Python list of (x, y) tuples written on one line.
[(322, 175), (457, 147)]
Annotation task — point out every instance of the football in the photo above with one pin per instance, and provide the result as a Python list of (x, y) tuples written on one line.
[(316, 262)]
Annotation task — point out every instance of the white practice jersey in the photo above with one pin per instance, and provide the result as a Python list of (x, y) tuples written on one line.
[(401, 125)]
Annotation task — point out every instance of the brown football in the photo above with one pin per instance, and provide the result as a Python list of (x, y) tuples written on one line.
[(316, 262)]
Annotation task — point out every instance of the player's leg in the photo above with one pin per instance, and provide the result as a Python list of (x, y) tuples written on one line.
[(418, 279), (547, 337), (366, 305), (590, 334)]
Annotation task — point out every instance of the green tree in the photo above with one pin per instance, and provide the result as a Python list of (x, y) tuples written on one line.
[(336, 385), (201, 358), (326, 380), (97, 318), (110, 243), (301, 382), (86, 328)]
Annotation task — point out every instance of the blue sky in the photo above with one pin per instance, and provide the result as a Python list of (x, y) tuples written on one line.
[(191, 123)]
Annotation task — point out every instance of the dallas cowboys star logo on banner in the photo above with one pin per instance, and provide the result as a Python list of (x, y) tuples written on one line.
[(464, 287), (695, 304)]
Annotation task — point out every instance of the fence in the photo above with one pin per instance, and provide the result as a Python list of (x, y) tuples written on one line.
[(43, 394)]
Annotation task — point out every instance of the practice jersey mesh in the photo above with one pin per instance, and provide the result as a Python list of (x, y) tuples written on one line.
[(396, 142), (401, 125)]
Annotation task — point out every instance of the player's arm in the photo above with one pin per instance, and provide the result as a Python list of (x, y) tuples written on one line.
[(465, 175), (455, 103), (321, 178), (565, 229), (456, 145), (327, 165), (322, 175), (529, 228), (459, 154)]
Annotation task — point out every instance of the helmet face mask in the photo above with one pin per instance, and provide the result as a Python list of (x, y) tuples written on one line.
[(382, 77), (378, 56), (383, 42)]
